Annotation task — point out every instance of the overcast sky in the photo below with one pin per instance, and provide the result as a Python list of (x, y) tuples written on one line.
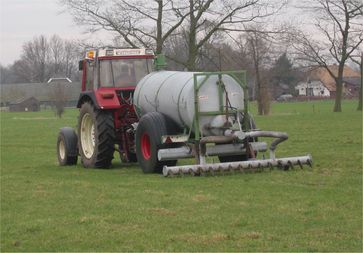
[(21, 20)]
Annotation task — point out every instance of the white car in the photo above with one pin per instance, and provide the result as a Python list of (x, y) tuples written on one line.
[(285, 97)]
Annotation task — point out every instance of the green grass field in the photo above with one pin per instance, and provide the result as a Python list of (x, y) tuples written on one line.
[(45, 207)]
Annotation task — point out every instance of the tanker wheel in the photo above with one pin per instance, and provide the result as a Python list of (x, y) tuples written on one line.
[(96, 137), (245, 157), (151, 128), (67, 152)]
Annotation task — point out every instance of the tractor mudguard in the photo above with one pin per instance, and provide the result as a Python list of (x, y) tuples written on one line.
[(107, 98), (103, 98), (87, 96)]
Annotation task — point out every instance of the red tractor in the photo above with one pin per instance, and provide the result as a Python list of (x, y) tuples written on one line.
[(107, 118)]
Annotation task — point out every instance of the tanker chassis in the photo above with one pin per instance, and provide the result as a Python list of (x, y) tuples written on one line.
[(158, 117)]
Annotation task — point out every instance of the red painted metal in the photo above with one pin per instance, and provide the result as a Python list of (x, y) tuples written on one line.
[(124, 117), (107, 103), (145, 146), (107, 95), (84, 75)]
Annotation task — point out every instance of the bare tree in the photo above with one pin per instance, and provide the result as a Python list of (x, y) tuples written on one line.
[(71, 55), (152, 23), (32, 66), (259, 47), (138, 23), (176, 51), (59, 97), (56, 46), (64, 56), (340, 27), (208, 18), (43, 58), (360, 64)]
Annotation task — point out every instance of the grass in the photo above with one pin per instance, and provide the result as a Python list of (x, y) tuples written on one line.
[(45, 207)]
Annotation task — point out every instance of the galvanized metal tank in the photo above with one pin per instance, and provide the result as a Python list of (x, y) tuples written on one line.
[(172, 93)]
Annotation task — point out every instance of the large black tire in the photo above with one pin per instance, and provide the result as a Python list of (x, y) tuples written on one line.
[(236, 158), (152, 126), (96, 137), (67, 151)]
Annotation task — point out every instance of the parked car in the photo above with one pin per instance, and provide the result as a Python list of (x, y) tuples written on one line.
[(285, 97)]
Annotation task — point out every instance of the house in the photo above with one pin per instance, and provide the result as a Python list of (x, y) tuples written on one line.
[(312, 88), (351, 86), (26, 105), (321, 84)]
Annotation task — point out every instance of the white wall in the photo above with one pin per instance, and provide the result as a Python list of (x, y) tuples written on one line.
[(313, 88)]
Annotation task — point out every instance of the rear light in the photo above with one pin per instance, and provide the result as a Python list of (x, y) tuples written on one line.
[(90, 54)]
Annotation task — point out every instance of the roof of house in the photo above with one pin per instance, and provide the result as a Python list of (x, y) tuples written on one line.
[(22, 100), (322, 74), (310, 83), (352, 80)]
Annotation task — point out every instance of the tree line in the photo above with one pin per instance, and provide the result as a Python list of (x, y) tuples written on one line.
[(43, 58), (185, 30), (219, 35)]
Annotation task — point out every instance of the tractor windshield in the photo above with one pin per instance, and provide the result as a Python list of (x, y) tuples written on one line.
[(123, 72)]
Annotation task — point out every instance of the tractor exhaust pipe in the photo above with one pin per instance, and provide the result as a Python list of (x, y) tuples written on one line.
[(244, 166)]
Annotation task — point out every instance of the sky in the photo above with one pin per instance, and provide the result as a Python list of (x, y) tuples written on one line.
[(22, 20)]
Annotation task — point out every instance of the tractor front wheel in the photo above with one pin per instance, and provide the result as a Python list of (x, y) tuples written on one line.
[(67, 152), (96, 137)]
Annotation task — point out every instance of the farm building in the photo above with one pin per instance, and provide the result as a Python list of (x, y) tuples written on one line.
[(26, 105), (313, 88), (351, 86), (320, 84), (45, 93)]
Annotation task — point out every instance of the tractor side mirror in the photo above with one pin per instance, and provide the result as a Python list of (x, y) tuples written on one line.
[(80, 65)]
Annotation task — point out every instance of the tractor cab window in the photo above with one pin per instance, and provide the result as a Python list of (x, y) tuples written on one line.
[(123, 72), (90, 75)]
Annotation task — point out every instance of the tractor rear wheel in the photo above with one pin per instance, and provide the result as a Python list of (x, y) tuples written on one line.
[(96, 134), (152, 126)]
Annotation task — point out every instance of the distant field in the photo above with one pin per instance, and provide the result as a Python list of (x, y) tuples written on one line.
[(45, 207)]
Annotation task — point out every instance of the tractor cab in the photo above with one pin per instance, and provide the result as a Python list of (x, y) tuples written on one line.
[(110, 73)]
